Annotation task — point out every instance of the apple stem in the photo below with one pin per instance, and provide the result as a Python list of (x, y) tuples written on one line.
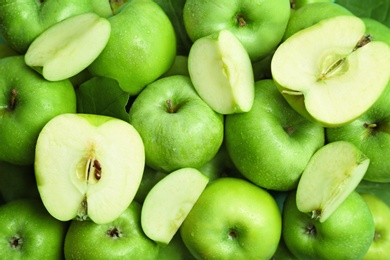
[(12, 102), (371, 125), (170, 106), (367, 38)]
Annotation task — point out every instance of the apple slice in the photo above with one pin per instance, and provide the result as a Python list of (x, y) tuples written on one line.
[(221, 72), (332, 173), (168, 203), (88, 166), (331, 72), (68, 47)]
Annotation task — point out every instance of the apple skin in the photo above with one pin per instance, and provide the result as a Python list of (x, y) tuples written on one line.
[(311, 14), (121, 239), (381, 213), (346, 234), (141, 48), (373, 141), (254, 23), (41, 236), (232, 219), (271, 144), (35, 17), (296, 4), (377, 30), (188, 136), (36, 102)]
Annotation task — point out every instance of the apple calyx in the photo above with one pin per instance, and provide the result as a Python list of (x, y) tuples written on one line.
[(233, 234), (114, 233), (16, 242), (241, 20), (311, 230)]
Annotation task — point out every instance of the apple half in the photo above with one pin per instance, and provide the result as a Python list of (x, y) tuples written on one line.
[(168, 203), (88, 166), (333, 172), (331, 72), (69, 46), (221, 72)]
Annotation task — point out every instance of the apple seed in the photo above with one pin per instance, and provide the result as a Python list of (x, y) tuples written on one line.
[(98, 169)]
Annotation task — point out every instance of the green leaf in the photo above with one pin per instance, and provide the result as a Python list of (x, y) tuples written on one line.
[(375, 9), (102, 96)]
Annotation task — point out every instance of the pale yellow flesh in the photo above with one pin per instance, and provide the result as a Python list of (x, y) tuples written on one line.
[(331, 175), (69, 46), (221, 71), (63, 149), (169, 202), (344, 93)]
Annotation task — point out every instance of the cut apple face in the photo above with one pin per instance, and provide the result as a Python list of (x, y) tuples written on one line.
[(68, 47), (332, 72), (332, 173), (168, 203), (88, 166), (221, 72)]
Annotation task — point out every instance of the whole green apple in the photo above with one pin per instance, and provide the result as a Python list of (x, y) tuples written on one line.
[(141, 48), (177, 127), (371, 134), (175, 250), (232, 219), (346, 234), (271, 144), (35, 17), (29, 232), (27, 103), (296, 4), (381, 213), (258, 24), (121, 239)]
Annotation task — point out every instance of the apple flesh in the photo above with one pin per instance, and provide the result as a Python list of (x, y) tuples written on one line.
[(168, 203), (221, 71), (68, 47), (332, 80), (332, 173), (88, 166)]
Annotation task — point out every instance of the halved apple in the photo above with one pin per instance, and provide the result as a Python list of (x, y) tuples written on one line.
[(68, 47), (333, 172), (221, 72), (88, 166), (168, 203), (331, 72)]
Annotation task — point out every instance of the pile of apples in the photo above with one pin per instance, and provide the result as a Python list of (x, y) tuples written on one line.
[(197, 129)]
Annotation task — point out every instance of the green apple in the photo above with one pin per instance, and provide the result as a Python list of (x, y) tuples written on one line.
[(337, 75), (311, 14), (181, 130), (175, 250), (68, 47), (17, 182), (98, 162), (232, 219), (371, 134), (29, 232), (122, 238), (102, 7), (347, 234), (271, 144), (141, 48), (258, 24), (168, 203), (179, 67), (27, 103), (34, 17), (222, 74), (296, 4), (6, 51), (378, 189), (332, 173), (377, 30), (150, 177), (380, 211)]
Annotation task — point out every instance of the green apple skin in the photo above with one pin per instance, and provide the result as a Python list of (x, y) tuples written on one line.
[(121, 239), (377, 30), (346, 234), (232, 219), (150, 178), (141, 48), (370, 133), (296, 4), (258, 24), (378, 189), (6, 51), (102, 8), (28, 231), (17, 182), (311, 14), (381, 213), (187, 133), (271, 144), (35, 17), (35, 102), (175, 250)]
